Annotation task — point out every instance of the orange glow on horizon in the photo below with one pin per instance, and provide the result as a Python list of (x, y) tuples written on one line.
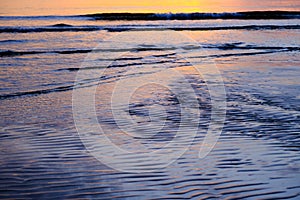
[(67, 7)]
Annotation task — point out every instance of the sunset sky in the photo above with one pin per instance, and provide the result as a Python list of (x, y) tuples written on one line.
[(67, 7)]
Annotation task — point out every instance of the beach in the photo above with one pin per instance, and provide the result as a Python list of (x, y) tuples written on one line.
[(51, 63)]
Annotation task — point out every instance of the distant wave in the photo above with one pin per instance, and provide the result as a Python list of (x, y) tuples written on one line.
[(208, 28), (226, 46), (14, 41), (9, 53), (70, 28), (53, 28), (196, 16), (168, 16)]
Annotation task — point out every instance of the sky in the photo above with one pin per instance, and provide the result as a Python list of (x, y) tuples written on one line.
[(70, 7)]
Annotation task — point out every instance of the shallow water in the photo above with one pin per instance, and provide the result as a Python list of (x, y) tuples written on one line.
[(256, 156)]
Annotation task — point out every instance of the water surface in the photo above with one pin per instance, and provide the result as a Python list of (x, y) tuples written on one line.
[(256, 156)]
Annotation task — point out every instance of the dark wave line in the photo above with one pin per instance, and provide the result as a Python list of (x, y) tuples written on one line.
[(9, 53), (87, 83), (36, 92), (212, 28), (14, 41), (232, 46), (226, 46), (61, 25), (115, 65), (196, 16), (248, 27), (53, 28), (70, 28), (240, 54)]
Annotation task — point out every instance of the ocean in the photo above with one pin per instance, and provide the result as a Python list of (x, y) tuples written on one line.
[(150, 106)]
